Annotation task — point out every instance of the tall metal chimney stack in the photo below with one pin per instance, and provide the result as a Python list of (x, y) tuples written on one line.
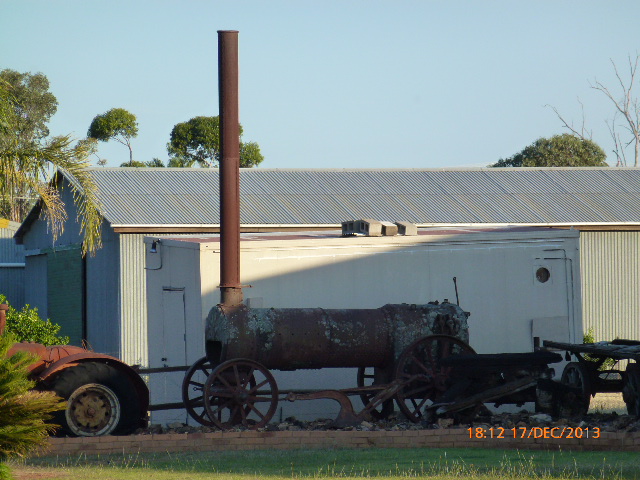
[(231, 290)]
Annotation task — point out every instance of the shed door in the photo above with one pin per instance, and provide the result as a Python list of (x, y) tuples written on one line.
[(167, 348), (65, 292), (553, 287), (173, 346)]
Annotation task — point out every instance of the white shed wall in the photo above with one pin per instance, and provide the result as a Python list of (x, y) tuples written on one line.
[(495, 272)]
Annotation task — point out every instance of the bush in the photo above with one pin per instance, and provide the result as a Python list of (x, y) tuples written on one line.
[(590, 337), (27, 326)]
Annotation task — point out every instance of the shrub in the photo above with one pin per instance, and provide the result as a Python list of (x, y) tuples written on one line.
[(27, 326), (589, 337)]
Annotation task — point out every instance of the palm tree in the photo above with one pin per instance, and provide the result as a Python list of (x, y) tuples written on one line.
[(30, 169), (23, 411)]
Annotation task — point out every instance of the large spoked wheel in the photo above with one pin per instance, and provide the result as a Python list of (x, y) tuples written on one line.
[(240, 392), (421, 361), (577, 376), (100, 401), (366, 378), (193, 391)]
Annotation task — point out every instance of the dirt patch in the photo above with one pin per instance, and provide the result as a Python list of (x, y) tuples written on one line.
[(28, 473)]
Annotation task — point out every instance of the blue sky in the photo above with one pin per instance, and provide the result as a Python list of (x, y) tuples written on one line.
[(332, 84)]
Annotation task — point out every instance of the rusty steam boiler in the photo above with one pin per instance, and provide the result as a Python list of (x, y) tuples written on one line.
[(396, 348)]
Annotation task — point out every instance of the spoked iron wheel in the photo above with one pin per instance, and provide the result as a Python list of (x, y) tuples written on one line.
[(240, 392), (577, 376), (193, 391), (366, 378), (422, 360)]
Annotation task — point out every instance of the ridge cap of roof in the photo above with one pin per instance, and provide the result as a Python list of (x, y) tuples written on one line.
[(407, 169)]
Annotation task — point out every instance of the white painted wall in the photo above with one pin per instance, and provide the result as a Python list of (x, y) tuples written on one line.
[(495, 272)]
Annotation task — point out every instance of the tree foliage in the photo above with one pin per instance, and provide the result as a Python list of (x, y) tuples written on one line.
[(558, 151), (32, 103), (117, 124), (155, 162), (197, 141), (27, 326), (29, 161), (23, 411)]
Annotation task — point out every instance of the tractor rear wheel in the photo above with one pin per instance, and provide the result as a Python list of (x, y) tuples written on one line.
[(101, 400)]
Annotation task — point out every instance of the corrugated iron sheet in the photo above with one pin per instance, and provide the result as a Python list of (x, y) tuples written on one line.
[(11, 264), (610, 263), (176, 196), (133, 300)]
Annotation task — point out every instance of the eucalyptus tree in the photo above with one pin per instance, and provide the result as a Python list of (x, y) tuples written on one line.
[(117, 124), (558, 151), (197, 142)]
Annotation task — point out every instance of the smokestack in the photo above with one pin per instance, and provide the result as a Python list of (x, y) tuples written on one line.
[(231, 290)]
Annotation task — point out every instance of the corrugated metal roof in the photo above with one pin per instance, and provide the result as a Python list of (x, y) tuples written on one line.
[(177, 196)]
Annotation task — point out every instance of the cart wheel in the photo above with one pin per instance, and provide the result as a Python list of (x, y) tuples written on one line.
[(366, 377), (193, 391), (631, 389), (240, 392), (576, 405), (422, 358)]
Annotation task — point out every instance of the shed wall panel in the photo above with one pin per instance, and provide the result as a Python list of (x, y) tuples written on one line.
[(11, 264), (35, 283), (133, 309), (610, 263), (103, 295)]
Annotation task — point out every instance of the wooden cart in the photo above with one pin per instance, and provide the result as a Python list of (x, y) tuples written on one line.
[(587, 374)]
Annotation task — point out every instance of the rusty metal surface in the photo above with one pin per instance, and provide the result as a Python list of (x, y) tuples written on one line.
[(298, 338), (231, 290), (347, 416), (3, 317)]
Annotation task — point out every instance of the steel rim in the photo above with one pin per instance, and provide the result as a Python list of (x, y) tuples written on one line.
[(419, 366), (193, 391), (92, 410), (577, 376)]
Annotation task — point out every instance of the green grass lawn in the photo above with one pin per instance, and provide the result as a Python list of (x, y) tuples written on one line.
[(343, 463)]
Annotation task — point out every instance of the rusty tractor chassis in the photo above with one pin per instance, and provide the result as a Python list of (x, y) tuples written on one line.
[(587, 376), (415, 355), (104, 395)]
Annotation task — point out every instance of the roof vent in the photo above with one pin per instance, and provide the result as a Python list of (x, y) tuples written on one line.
[(374, 228), (407, 228)]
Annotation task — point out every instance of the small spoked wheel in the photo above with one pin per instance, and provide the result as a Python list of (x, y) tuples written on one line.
[(576, 404), (366, 378), (419, 366), (193, 391), (240, 392)]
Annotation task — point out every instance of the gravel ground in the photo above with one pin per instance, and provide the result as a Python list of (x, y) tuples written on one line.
[(607, 411)]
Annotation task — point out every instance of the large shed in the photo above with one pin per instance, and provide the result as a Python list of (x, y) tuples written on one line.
[(107, 305), (520, 284)]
